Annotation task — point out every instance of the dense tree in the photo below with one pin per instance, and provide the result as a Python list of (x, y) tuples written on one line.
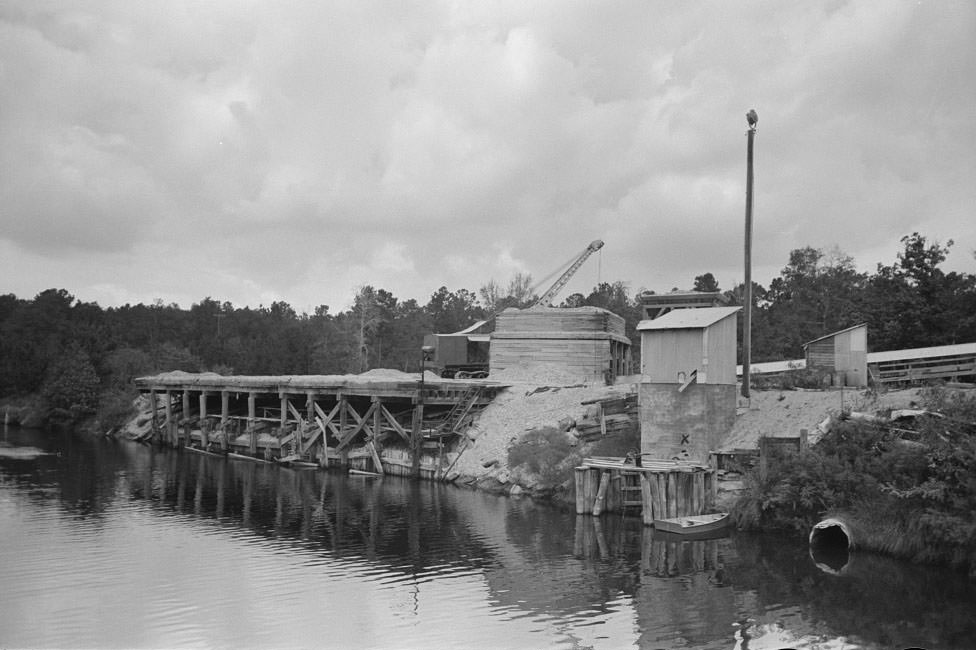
[(912, 302), (705, 282), (71, 385)]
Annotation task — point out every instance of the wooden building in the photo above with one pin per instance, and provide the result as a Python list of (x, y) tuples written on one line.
[(655, 305), (585, 344), (953, 362), (687, 394), (841, 355)]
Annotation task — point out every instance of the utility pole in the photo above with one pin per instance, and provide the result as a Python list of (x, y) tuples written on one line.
[(752, 120)]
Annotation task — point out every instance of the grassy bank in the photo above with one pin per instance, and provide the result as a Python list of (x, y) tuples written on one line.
[(906, 486)]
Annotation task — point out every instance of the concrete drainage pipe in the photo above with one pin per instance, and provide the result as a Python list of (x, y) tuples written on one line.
[(831, 533)]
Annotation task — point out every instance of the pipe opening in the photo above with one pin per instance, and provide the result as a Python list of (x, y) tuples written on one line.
[(830, 537), (831, 533)]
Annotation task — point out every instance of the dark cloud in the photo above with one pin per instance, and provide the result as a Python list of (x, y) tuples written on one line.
[(298, 151)]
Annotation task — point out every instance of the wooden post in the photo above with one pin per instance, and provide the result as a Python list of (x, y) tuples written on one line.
[(170, 434), (377, 423), (416, 436), (283, 419), (672, 494), (187, 411), (252, 422), (224, 417), (580, 482), (204, 434), (155, 417), (601, 494), (647, 500), (343, 419)]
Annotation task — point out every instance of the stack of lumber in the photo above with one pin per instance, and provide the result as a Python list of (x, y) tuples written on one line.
[(612, 416), (556, 321)]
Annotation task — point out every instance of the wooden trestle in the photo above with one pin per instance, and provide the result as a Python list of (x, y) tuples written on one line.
[(372, 421)]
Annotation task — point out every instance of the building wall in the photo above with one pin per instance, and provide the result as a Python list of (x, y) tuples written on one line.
[(710, 351), (844, 355), (851, 356), (820, 355), (686, 425)]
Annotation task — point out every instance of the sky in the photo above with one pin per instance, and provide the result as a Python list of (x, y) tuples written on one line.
[(296, 151)]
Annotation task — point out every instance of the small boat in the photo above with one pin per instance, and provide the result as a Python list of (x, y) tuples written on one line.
[(693, 524)]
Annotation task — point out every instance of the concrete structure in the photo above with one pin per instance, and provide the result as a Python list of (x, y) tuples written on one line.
[(687, 395), (580, 344), (841, 355)]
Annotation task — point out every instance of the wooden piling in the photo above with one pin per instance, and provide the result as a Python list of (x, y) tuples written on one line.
[(601, 494), (224, 418), (672, 493), (647, 499), (579, 480), (252, 423)]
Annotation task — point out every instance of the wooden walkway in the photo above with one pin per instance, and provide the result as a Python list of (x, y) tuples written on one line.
[(343, 420)]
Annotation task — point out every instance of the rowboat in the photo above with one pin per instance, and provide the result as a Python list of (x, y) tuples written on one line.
[(693, 524)]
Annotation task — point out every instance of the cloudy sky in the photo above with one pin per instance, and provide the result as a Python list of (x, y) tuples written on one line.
[(297, 150)]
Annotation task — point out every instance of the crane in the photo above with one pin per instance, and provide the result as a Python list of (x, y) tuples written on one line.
[(545, 300)]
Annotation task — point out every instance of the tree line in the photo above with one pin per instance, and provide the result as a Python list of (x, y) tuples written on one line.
[(76, 354)]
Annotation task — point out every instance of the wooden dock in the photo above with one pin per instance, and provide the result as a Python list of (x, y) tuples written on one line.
[(658, 488), (375, 421)]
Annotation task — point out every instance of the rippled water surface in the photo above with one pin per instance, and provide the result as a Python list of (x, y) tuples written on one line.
[(107, 544)]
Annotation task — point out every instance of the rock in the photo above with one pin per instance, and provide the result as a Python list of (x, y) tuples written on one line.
[(490, 463), (516, 491)]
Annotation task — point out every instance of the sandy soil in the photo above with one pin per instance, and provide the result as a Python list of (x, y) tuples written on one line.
[(782, 413), (519, 409)]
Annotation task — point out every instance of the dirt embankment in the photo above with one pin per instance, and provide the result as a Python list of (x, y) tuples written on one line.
[(520, 409), (783, 413)]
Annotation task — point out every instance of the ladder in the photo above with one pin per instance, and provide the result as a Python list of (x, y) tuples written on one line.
[(630, 489), (459, 411)]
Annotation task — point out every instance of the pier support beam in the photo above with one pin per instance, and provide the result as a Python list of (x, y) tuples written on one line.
[(204, 432), (224, 418), (252, 422)]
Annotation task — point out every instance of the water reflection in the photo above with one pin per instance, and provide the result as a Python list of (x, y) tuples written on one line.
[(279, 556)]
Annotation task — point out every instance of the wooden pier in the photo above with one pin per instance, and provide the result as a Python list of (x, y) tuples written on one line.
[(373, 421), (661, 489)]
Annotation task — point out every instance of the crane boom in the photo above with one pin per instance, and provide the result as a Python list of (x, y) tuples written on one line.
[(545, 300)]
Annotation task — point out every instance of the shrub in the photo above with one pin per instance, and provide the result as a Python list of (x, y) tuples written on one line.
[(918, 480), (545, 452)]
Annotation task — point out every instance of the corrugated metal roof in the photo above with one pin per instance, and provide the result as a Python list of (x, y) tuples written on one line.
[(699, 318), (922, 353), (827, 336), (774, 366)]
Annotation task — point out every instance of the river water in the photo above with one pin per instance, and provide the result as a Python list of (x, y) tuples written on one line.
[(108, 544)]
